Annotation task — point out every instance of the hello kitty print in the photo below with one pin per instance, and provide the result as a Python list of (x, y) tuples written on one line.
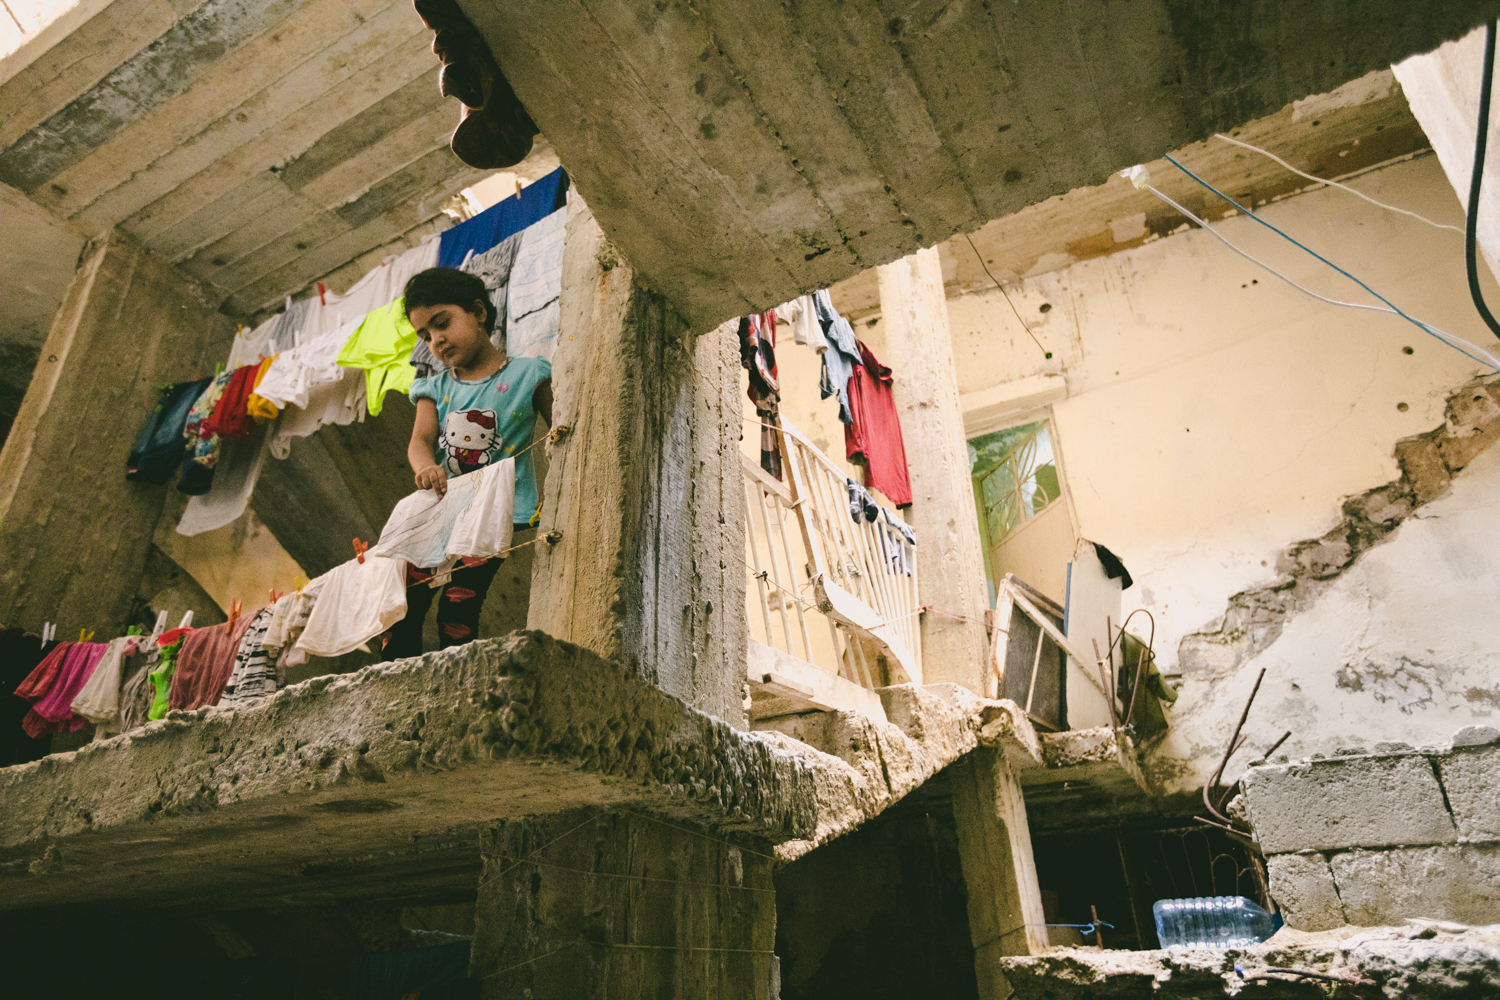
[(468, 436)]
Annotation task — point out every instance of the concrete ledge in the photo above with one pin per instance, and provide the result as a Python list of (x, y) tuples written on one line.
[(396, 759), (1363, 801), (1418, 959)]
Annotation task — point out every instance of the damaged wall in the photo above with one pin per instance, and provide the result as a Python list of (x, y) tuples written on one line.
[(1208, 417)]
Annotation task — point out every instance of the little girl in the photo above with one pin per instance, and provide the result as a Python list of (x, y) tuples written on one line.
[(481, 408)]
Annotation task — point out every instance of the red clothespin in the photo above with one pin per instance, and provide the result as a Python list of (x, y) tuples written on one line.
[(275, 595), (234, 609), (360, 548), (321, 300)]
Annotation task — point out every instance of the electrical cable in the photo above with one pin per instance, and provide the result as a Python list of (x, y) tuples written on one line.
[(1045, 353), (1471, 221), (1343, 187), (1433, 331)]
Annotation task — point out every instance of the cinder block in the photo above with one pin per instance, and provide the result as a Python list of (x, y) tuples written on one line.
[(1457, 882), (1367, 801), (1302, 885), (1472, 781)]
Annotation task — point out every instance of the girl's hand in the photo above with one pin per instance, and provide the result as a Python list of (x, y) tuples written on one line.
[(433, 478)]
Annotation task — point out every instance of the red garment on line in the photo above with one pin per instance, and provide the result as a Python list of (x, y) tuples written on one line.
[(231, 417), (205, 662), (875, 434), (42, 677)]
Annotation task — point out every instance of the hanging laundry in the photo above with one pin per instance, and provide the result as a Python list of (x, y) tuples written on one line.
[(892, 532), (474, 518), (137, 693), (99, 699), (840, 357), (52, 708), (533, 305), (159, 445), (758, 357), (358, 601), (861, 504), (382, 346), (20, 654), (312, 389), (168, 644), (259, 408), (535, 202), (205, 662), (234, 479), (277, 334), (802, 316), (230, 417), (875, 435), (202, 442), (254, 673)]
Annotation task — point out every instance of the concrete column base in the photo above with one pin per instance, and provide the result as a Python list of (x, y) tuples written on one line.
[(590, 904), (994, 846)]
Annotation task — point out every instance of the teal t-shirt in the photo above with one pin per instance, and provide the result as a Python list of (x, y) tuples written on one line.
[(486, 421)]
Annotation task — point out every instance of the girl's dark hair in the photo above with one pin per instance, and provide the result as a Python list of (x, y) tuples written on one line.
[(447, 286)]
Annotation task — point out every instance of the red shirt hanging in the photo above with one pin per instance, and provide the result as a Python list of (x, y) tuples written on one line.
[(875, 434)]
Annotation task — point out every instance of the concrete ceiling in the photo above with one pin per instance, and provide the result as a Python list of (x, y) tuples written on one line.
[(739, 156), (1360, 125), (259, 144)]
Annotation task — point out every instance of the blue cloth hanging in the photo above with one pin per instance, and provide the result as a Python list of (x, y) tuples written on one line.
[(535, 202)]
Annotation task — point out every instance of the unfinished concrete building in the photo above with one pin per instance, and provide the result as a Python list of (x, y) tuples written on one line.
[(1192, 594)]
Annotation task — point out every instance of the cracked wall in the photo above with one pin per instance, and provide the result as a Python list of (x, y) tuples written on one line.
[(1206, 415)]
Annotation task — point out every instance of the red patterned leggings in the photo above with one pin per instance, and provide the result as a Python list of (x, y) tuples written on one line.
[(458, 609)]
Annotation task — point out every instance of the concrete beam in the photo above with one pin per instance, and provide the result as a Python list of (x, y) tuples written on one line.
[(74, 535), (876, 132), (649, 567)]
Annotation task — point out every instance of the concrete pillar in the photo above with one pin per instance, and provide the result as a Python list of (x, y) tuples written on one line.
[(950, 560), (994, 846), (74, 534), (610, 905), (644, 488)]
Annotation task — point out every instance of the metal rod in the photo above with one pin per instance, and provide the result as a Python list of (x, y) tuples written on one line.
[(1234, 744), (1109, 694), (1098, 934)]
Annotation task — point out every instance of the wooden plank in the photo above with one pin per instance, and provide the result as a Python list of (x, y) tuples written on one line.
[(784, 685), (848, 610), (342, 95), (358, 70), (247, 89), (765, 479), (35, 91), (1024, 603), (165, 68)]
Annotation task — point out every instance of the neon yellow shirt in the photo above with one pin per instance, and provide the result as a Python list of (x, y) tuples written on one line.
[(382, 347)]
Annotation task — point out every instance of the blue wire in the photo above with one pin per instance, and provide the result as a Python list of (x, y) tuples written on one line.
[(1251, 214)]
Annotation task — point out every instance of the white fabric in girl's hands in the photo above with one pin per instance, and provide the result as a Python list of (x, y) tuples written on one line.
[(358, 601), (474, 518)]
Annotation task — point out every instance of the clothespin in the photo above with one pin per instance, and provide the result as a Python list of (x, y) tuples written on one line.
[(218, 368), (161, 623), (187, 620), (321, 300), (518, 189), (85, 638), (274, 595), (234, 610), (134, 630), (46, 632), (360, 548), (301, 581)]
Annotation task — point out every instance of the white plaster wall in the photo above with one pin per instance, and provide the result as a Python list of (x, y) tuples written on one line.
[(1404, 646), (1213, 416)]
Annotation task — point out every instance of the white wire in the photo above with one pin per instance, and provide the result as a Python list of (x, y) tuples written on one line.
[(1485, 357), (1342, 187)]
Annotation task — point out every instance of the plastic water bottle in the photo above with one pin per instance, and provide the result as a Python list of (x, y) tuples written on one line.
[(1211, 922)]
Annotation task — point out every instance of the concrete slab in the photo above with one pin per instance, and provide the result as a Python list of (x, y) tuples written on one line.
[(394, 760), (1302, 885), (1471, 778)]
